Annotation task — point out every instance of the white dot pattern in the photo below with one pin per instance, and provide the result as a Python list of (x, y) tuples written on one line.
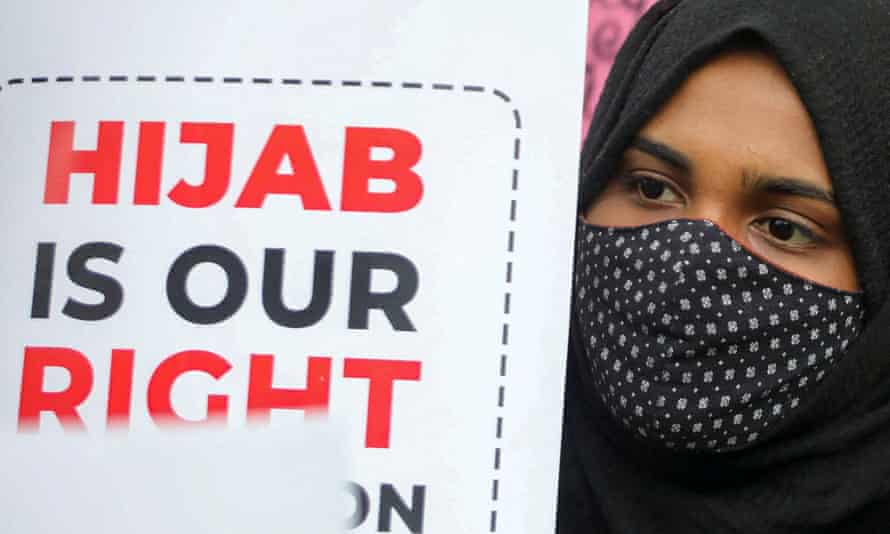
[(694, 342)]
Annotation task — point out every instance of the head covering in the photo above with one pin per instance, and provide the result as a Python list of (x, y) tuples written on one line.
[(826, 468)]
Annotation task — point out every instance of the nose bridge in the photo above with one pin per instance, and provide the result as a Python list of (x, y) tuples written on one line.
[(723, 213), (693, 250)]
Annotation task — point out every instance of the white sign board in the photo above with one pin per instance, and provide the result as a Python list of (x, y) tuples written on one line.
[(225, 481), (219, 214)]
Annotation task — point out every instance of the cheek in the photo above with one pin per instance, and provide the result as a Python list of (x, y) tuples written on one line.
[(835, 270), (603, 211), (832, 268)]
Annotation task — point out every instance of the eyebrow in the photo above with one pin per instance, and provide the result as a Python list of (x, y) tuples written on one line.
[(784, 185), (669, 155)]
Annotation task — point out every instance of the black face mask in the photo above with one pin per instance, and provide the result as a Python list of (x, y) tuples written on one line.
[(695, 343)]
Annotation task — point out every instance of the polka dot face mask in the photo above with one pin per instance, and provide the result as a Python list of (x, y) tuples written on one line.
[(695, 343)]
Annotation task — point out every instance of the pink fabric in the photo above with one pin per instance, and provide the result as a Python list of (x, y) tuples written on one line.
[(609, 23)]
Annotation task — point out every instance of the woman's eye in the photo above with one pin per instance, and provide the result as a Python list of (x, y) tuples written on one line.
[(656, 190), (787, 231)]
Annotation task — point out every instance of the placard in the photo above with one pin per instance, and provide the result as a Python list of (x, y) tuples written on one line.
[(230, 215)]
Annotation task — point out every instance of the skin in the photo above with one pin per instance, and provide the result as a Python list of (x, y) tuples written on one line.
[(736, 146)]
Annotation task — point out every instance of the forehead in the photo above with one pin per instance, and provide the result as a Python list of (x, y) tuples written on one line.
[(741, 110)]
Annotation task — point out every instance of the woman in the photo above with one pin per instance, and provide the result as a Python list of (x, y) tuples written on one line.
[(729, 369)]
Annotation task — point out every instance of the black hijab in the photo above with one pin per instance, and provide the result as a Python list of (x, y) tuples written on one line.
[(827, 467)]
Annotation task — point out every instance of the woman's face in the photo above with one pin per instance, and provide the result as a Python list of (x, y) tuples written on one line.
[(736, 146)]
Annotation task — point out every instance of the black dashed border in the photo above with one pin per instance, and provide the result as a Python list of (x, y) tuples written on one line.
[(504, 331)]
